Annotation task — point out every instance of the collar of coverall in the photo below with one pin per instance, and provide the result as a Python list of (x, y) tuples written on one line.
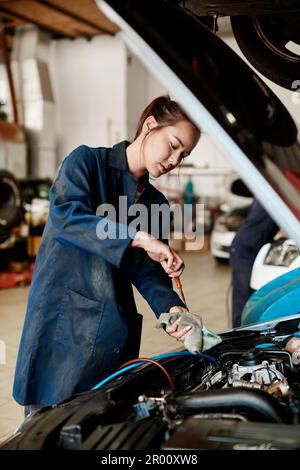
[(118, 160)]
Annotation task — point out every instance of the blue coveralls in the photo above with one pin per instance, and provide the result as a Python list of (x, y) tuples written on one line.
[(258, 229), (81, 319)]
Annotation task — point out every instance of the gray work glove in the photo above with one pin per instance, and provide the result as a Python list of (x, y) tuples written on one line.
[(199, 339)]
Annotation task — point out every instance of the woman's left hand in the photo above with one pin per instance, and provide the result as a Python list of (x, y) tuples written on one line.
[(180, 335)]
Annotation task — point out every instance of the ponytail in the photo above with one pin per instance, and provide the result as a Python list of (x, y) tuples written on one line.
[(165, 111)]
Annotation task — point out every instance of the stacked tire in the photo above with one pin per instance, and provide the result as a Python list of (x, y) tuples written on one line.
[(10, 214)]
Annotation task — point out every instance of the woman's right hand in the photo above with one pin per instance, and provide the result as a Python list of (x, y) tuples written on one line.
[(159, 252)]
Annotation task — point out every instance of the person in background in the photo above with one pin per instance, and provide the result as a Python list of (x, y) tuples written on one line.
[(258, 229)]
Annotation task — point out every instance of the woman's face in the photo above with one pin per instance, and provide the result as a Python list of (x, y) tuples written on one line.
[(165, 148)]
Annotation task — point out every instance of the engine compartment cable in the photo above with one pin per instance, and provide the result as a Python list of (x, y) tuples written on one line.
[(124, 369), (152, 361)]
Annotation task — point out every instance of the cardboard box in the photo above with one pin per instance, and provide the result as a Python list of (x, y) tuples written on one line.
[(33, 243)]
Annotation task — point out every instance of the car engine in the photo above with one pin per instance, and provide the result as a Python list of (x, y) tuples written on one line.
[(243, 393)]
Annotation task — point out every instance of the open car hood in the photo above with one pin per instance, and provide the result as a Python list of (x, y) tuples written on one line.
[(223, 96)]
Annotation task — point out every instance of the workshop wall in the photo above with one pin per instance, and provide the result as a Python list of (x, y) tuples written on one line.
[(89, 86)]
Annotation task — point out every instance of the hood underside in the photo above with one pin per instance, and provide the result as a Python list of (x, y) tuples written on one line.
[(223, 96)]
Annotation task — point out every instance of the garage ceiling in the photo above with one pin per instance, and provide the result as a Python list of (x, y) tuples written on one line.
[(62, 18)]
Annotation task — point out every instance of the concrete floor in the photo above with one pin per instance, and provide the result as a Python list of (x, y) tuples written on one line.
[(205, 285)]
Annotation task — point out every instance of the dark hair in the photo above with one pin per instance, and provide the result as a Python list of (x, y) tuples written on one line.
[(165, 111)]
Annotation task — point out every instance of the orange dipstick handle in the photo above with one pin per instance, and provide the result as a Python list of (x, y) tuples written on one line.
[(179, 287)]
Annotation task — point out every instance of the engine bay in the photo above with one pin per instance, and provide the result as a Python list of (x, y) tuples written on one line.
[(243, 393)]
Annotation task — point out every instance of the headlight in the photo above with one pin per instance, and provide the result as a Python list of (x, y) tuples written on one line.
[(282, 253)]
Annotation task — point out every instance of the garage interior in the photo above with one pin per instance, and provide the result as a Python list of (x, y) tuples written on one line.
[(76, 82)]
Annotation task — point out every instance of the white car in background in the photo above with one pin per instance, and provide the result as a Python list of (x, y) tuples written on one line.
[(273, 260), (235, 207)]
